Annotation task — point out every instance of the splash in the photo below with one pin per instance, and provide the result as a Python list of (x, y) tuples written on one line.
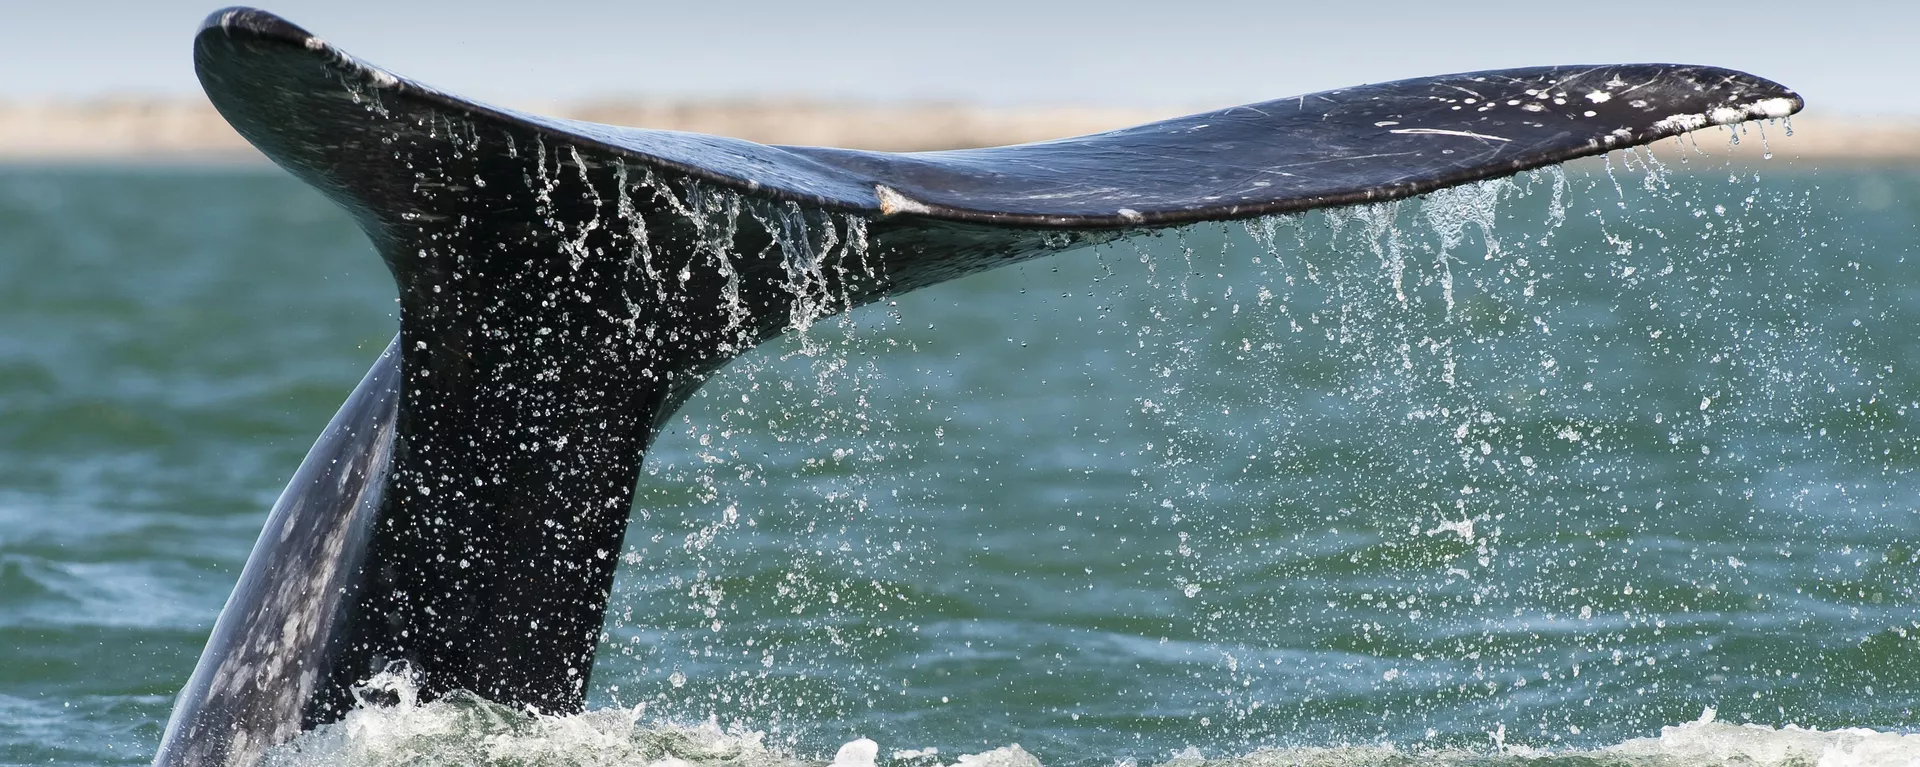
[(1459, 547), (466, 731)]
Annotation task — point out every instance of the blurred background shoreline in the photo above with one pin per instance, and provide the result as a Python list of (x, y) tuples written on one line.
[(189, 131)]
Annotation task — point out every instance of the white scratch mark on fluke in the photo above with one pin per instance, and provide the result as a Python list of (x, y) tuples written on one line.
[(892, 202), (1445, 132)]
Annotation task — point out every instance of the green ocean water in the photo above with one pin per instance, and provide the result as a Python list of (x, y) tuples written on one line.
[(1526, 470)]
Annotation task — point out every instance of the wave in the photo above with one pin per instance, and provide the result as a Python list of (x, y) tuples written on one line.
[(464, 729)]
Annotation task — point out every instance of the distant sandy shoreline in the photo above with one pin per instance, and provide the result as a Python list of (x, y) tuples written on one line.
[(165, 131)]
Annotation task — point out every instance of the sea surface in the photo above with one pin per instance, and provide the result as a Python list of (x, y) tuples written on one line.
[(1608, 465)]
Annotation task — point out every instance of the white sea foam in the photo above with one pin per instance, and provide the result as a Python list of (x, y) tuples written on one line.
[(467, 731)]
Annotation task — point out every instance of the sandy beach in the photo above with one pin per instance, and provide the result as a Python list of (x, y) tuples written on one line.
[(189, 130)]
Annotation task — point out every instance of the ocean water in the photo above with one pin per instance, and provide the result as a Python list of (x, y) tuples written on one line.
[(1609, 465)]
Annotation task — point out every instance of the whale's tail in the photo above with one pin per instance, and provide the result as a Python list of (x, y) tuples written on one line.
[(564, 286)]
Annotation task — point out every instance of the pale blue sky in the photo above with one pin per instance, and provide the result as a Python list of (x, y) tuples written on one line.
[(1846, 56)]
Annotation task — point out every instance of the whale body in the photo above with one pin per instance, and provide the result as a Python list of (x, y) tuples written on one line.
[(565, 286)]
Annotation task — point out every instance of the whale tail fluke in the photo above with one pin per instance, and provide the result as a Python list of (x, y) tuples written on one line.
[(564, 286)]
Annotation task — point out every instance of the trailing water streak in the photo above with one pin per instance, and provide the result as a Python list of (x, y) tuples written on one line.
[(565, 286)]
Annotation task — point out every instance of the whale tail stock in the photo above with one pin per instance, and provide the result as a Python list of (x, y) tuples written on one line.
[(564, 286)]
